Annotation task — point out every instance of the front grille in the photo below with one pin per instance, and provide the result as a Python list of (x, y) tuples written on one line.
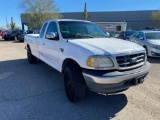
[(130, 60)]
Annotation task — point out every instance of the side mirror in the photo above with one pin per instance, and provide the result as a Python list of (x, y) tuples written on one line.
[(107, 34), (50, 35), (141, 38)]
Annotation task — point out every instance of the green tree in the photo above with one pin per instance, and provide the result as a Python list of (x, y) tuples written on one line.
[(38, 11), (12, 24), (17, 27), (155, 17)]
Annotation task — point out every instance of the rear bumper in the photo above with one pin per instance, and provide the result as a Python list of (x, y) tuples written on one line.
[(114, 81)]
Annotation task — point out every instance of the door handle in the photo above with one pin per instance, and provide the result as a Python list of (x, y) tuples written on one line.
[(61, 49)]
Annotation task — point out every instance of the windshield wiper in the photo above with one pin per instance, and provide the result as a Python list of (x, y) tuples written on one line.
[(78, 36), (87, 36)]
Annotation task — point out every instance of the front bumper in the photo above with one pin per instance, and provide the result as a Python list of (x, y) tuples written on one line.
[(154, 52), (114, 81)]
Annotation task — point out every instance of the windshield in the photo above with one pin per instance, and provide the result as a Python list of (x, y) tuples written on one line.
[(80, 29), (152, 35), (129, 33)]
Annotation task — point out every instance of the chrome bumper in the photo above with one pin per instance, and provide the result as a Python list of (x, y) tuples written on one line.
[(114, 80)]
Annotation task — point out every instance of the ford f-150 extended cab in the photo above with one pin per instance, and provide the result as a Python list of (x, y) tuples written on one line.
[(87, 57)]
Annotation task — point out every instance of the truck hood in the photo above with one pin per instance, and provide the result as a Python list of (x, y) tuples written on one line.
[(107, 45), (152, 41)]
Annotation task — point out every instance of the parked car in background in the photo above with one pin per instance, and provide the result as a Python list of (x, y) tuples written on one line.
[(156, 30), (21, 37), (150, 40), (116, 34), (126, 34), (13, 35), (4, 32), (1, 32)]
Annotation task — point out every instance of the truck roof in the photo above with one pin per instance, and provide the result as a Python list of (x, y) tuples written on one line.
[(67, 20)]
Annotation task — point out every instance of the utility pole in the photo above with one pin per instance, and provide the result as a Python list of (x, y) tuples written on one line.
[(7, 25), (85, 12)]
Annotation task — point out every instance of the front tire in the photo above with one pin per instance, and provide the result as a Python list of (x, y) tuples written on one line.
[(31, 58), (146, 50), (74, 83)]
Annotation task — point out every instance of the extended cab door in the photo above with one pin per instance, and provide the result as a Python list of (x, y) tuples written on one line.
[(40, 41), (51, 46)]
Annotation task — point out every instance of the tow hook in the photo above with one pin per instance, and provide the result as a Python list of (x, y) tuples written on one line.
[(138, 80)]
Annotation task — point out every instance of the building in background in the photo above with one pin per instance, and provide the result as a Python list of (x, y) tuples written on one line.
[(136, 20)]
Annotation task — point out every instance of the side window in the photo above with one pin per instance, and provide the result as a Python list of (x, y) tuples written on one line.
[(141, 35), (52, 28), (137, 34), (43, 30), (122, 33)]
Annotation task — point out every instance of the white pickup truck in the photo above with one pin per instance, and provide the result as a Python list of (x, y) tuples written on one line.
[(87, 57)]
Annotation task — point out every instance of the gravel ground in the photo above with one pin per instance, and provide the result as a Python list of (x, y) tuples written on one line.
[(36, 92)]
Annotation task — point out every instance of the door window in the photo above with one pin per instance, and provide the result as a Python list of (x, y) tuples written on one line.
[(137, 35), (141, 35), (43, 30)]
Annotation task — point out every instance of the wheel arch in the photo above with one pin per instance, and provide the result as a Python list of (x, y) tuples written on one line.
[(67, 62), (28, 46)]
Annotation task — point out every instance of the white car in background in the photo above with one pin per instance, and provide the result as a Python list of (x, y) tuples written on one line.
[(150, 40)]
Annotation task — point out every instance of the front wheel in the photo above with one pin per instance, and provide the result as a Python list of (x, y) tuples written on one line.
[(146, 50), (31, 58), (74, 83)]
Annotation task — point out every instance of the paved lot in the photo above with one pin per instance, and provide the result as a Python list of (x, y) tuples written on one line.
[(36, 92)]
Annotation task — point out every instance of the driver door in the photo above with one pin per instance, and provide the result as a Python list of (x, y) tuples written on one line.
[(51, 46)]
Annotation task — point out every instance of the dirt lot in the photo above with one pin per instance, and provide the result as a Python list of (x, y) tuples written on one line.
[(34, 92)]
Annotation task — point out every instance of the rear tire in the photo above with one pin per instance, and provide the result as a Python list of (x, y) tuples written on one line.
[(74, 83), (31, 58)]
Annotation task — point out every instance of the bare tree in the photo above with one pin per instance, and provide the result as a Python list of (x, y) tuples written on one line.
[(155, 17), (38, 11)]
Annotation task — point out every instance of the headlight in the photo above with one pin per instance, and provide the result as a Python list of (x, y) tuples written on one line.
[(154, 46), (99, 62)]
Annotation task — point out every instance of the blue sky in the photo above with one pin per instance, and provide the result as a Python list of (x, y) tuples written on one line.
[(10, 8)]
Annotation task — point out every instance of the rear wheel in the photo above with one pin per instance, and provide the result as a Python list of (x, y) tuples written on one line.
[(74, 83), (31, 58)]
